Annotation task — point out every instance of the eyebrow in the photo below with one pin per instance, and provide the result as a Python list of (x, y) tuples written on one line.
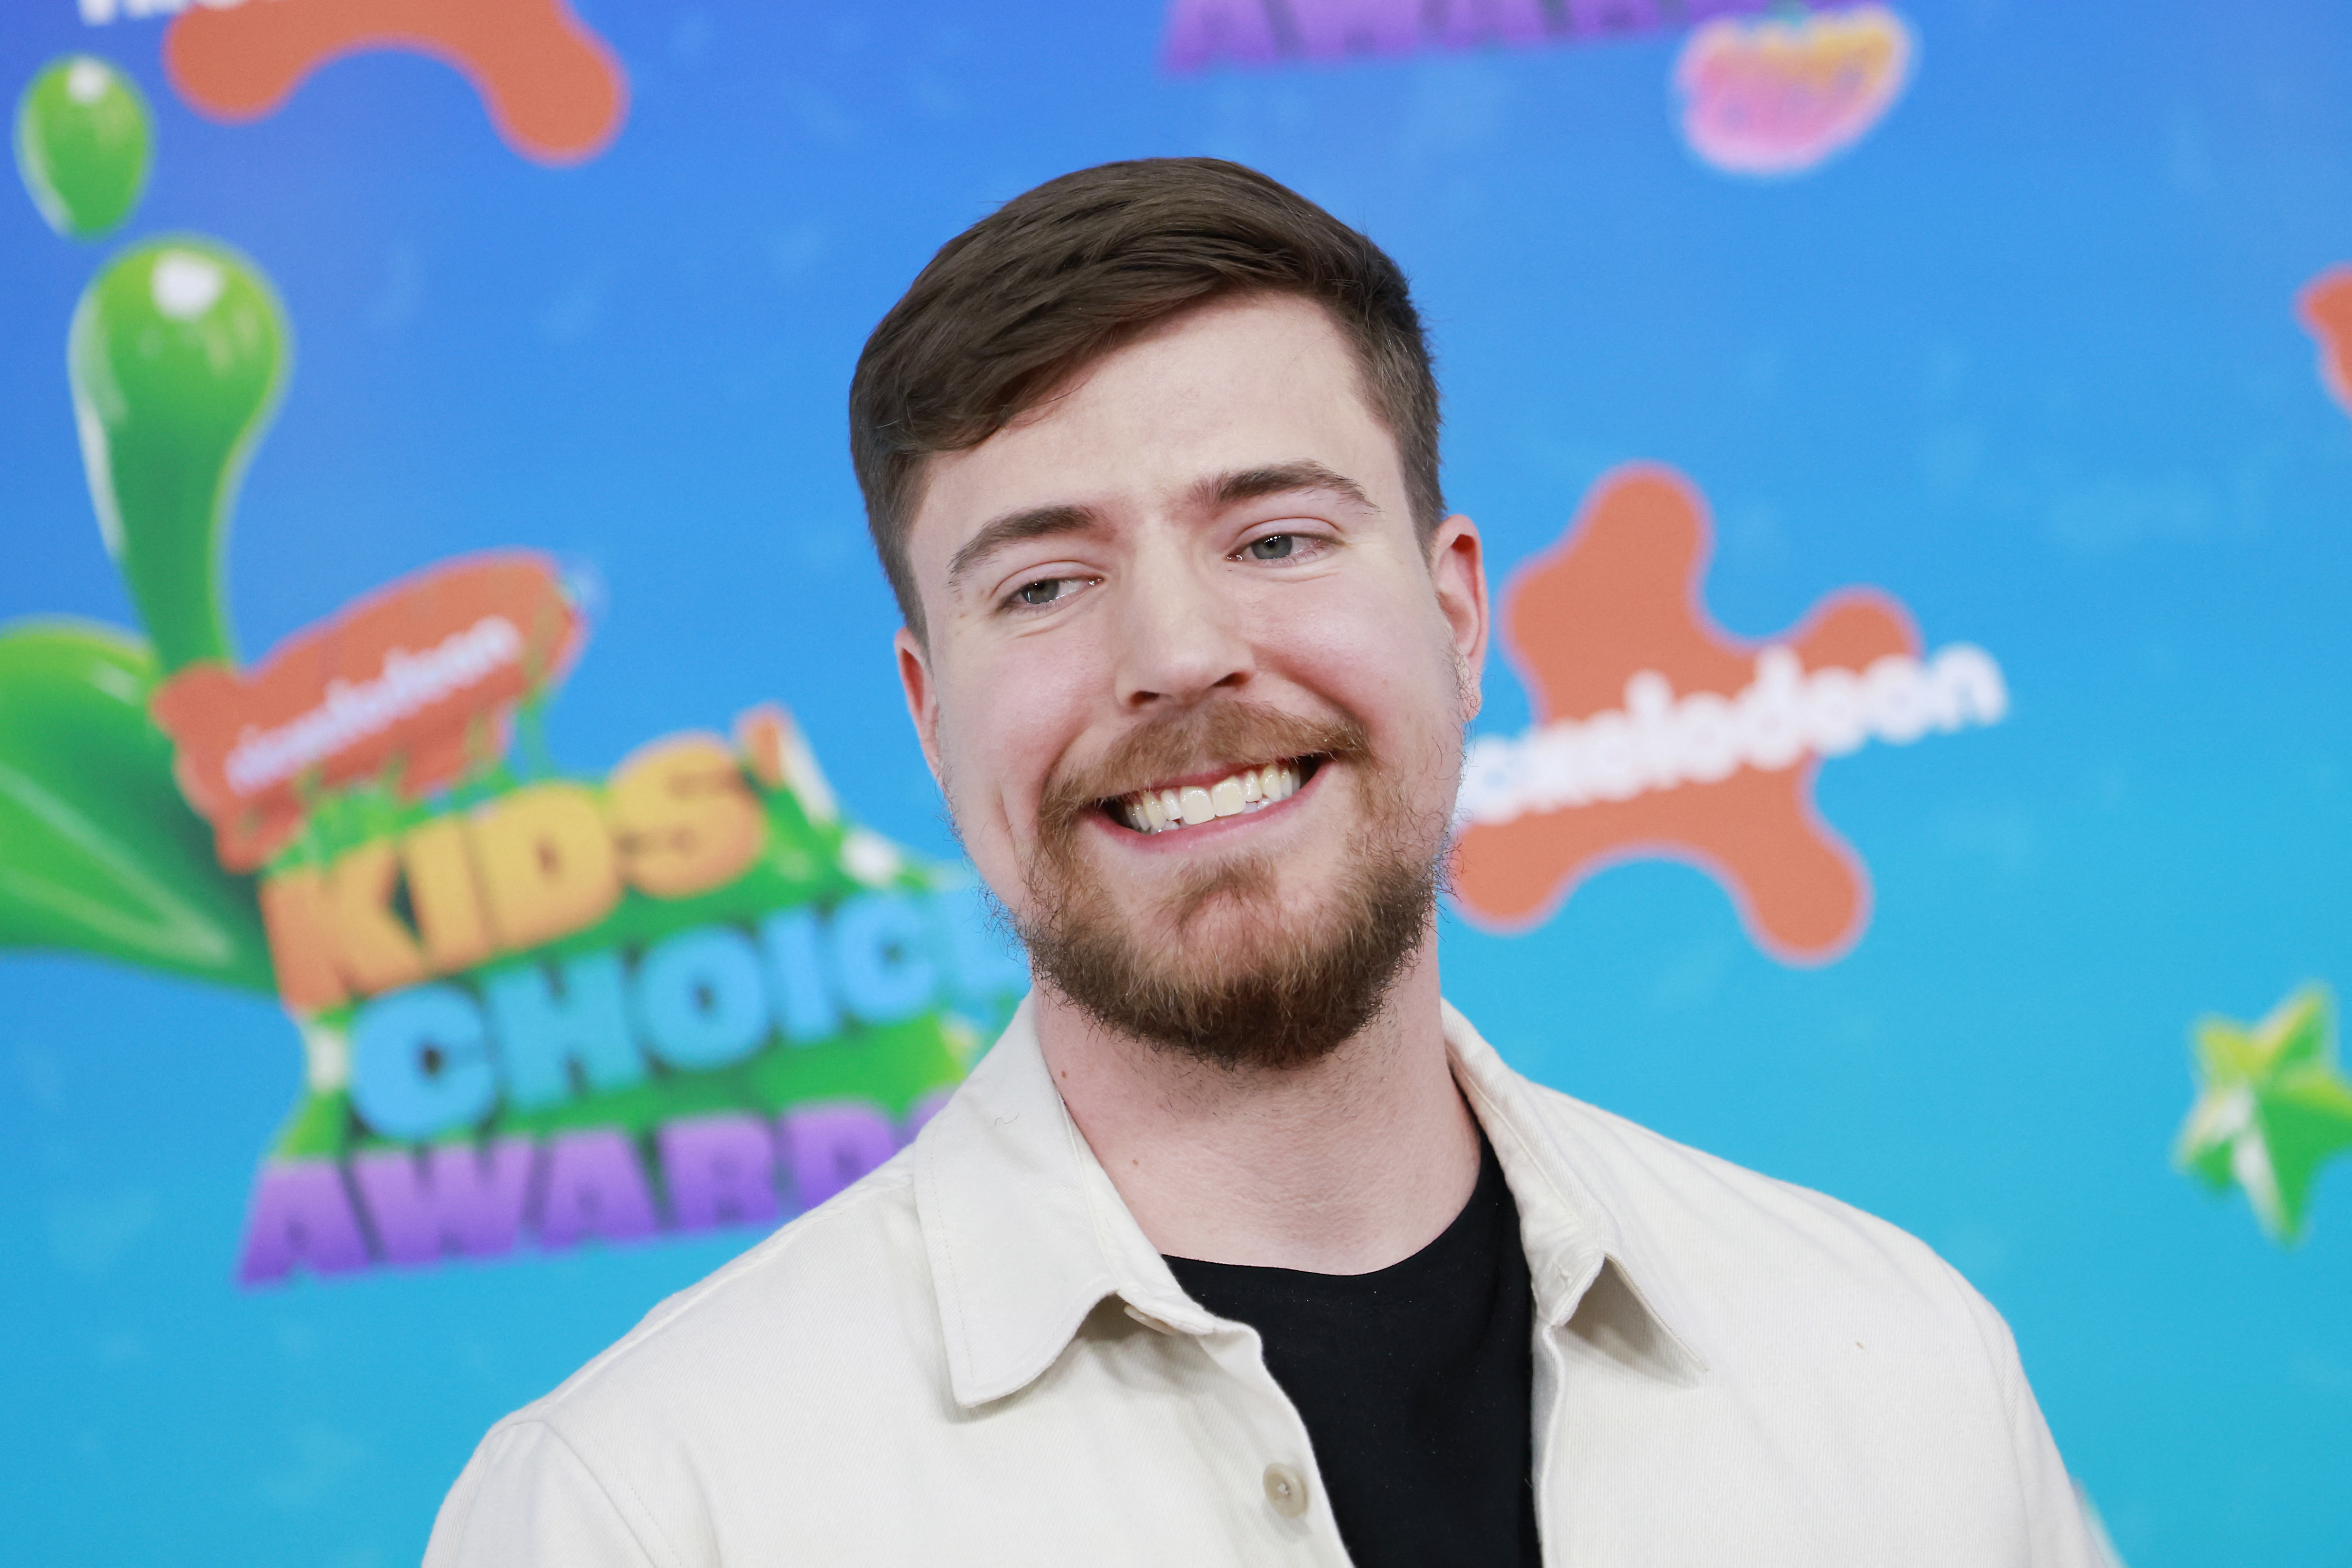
[(1280, 478), (1037, 522)]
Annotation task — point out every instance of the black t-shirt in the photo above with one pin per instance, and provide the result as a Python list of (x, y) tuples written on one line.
[(1414, 1383)]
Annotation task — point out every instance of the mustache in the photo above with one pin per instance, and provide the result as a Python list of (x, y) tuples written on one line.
[(1235, 732)]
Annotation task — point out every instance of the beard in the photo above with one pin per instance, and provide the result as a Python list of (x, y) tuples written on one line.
[(1216, 969)]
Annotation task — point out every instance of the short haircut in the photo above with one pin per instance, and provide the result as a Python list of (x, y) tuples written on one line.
[(1014, 306)]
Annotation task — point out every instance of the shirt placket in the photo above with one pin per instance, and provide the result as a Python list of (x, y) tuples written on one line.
[(1268, 1460), (1548, 1411)]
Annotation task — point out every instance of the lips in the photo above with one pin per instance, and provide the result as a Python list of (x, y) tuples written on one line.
[(1164, 808)]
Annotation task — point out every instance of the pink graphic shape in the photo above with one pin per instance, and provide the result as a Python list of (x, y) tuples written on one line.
[(1778, 96)]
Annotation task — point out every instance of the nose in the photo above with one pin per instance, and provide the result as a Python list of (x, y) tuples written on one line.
[(1180, 635)]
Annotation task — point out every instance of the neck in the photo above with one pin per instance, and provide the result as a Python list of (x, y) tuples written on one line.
[(1342, 1167)]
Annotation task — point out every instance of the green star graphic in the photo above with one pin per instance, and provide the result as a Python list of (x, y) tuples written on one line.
[(2273, 1107)]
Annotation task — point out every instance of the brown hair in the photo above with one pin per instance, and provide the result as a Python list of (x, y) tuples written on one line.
[(1013, 307)]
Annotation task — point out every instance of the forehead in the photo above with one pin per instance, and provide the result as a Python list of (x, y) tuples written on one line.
[(1233, 384)]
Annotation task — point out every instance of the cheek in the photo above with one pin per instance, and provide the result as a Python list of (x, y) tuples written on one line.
[(1005, 722), (1382, 656)]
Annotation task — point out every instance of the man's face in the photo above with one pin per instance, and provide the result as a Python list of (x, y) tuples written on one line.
[(1194, 686)]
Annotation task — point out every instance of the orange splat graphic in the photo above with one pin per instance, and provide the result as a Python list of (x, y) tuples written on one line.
[(1621, 595), (553, 88), (2325, 306)]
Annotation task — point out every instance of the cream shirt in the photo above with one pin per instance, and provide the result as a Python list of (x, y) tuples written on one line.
[(974, 1356)]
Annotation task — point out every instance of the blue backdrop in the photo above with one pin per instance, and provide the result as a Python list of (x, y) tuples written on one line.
[(2026, 357)]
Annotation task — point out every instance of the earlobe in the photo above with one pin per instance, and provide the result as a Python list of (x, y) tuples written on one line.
[(922, 697)]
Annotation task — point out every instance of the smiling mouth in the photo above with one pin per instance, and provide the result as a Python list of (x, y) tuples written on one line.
[(1166, 809)]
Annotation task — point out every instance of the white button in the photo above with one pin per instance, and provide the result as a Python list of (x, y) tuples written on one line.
[(1285, 1488)]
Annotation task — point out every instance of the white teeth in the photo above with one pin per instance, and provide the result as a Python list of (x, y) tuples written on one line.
[(1252, 789)]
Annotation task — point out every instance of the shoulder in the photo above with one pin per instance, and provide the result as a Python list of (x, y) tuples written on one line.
[(829, 1321), (1754, 1256), (1836, 1335), (829, 1284)]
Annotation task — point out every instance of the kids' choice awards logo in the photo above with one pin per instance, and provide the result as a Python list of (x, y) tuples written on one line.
[(1659, 735), (551, 998)]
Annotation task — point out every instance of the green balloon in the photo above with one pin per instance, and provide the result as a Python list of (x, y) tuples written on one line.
[(177, 354), (99, 852), (84, 140)]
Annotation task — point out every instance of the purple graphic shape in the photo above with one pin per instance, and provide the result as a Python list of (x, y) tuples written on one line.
[(718, 1170), (1335, 29), (1202, 33), (456, 1197), (301, 1213), (595, 1186), (834, 1144), (1468, 24), (1615, 16)]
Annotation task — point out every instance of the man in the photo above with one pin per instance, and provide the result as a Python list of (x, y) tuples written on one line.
[(1240, 1244)]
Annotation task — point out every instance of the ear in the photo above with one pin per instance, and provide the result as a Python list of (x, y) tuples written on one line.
[(922, 697), (1457, 570)]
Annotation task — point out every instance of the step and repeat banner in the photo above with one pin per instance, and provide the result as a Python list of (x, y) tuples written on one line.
[(464, 870)]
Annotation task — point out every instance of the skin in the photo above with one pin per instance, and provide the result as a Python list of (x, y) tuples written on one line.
[(1097, 563)]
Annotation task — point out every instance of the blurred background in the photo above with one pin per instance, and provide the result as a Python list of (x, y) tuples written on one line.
[(2019, 315)]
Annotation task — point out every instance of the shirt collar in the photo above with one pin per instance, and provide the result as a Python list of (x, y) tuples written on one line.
[(1599, 1270), (1026, 1236)]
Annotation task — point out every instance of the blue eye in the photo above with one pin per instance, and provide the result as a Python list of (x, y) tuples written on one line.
[(1043, 591), (1273, 547)]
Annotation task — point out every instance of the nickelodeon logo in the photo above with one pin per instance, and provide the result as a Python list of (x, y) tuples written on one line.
[(419, 680), (1786, 714), (1660, 735)]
